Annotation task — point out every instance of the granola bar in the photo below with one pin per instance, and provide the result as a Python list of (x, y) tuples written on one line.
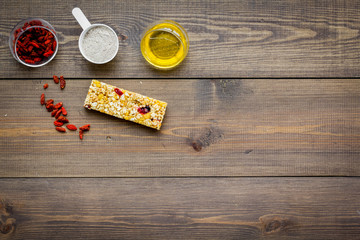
[(125, 104)]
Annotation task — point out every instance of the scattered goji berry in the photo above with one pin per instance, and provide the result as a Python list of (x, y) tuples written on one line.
[(71, 127), (56, 79), (85, 127), (63, 119), (42, 99), (64, 112), (60, 129), (53, 113), (58, 105), (57, 110), (62, 82), (50, 107), (58, 113), (58, 124), (49, 101)]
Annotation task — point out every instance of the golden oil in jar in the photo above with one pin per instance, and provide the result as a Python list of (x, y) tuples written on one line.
[(165, 44)]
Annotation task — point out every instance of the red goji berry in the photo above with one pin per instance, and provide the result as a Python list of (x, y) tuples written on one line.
[(46, 86), (64, 112), (34, 44), (42, 99), (54, 45), (81, 134), (56, 79), (63, 119), (62, 82), (48, 53), (58, 113), (53, 113), (85, 127), (60, 129), (49, 101), (58, 105), (58, 124), (71, 127), (29, 61), (31, 43), (50, 107)]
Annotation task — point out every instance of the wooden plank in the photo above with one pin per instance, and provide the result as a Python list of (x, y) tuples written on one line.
[(211, 128), (230, 38), (188, 208)]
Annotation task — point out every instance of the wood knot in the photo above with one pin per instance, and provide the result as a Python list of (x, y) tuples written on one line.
[(197, 145), (122, 37), (6, 228), (205, 138), (275, 224), (7, 222)]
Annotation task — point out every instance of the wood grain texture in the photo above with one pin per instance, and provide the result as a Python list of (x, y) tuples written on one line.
[(224, 127), (200, 208), (252, 38)]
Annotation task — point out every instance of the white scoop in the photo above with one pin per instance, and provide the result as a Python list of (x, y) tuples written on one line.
[(98, 46)]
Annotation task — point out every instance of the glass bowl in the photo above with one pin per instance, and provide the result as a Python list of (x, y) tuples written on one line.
[(164, 44), (33, 42)]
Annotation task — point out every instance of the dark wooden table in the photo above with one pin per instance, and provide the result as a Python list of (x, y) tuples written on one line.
[(261, 137)]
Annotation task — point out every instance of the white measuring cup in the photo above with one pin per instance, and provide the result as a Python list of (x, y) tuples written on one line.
[(86, 26)]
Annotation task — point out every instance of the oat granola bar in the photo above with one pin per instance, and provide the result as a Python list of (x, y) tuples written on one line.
[(125, 104)]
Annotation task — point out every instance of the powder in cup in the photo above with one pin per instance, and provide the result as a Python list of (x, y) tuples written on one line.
[(99, 44)]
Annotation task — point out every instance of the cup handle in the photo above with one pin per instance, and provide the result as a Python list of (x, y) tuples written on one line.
[(81, 18)]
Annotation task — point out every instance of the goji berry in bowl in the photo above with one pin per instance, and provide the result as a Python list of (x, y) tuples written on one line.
[(33, 42)]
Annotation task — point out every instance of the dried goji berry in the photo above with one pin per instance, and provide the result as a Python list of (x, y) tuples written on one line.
[(42, 99), (48, 53), (58, 124), (29, 61), (81, 134), (49, 101), (62, 82), (64, 112), (46, 86), (58, 105), (53, 113), (60, 129), (63, 119), (50, 107), (85, 127), (71, 127), (54, 45), (34, 44), (56, 79), (58, 113)]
